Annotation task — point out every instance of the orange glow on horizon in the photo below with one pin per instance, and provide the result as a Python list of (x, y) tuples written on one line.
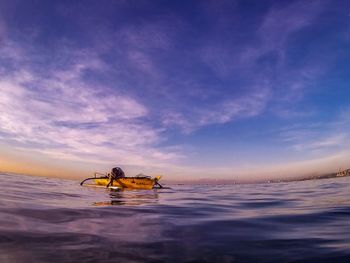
[(21, 166)]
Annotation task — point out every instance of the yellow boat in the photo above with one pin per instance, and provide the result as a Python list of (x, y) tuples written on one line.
[(130, 182), (138, 182)]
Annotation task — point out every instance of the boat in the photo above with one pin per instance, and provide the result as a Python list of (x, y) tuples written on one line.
[(342, 173), (140, 182)]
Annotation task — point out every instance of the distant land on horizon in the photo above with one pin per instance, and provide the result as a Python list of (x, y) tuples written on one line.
[(258, 181)]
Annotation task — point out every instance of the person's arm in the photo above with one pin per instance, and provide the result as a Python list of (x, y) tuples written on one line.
[(110, 183)]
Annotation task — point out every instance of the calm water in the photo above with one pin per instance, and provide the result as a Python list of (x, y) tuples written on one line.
[(53, 220)]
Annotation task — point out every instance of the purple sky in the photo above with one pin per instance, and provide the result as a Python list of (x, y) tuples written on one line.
[(190, 89)]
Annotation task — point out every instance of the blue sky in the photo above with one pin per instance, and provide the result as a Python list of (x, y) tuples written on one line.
[(191, 89)]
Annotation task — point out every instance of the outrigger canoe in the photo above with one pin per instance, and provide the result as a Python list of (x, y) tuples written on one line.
[(141, 182)]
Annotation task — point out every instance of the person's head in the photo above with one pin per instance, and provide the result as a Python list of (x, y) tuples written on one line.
[(117, 172)]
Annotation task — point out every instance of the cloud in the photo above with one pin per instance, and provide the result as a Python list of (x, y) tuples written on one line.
[(62, 115), (282, 21), (162, 59), (237, 108), (227, 111), (153, 35), (321, 138), (142, 62), (262, 62)]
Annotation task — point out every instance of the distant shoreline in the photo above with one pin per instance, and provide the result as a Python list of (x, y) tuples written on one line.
[(207, 181)]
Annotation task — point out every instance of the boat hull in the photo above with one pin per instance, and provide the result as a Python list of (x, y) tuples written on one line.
[(128, 182)]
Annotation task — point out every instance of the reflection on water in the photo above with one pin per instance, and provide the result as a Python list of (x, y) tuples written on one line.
[(52, 220), (130, 197)]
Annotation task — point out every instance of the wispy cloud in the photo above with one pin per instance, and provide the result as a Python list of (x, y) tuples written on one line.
[(282, 21), (321, 137), (61, 115), (226, 111), (263, 60), (247, 68)]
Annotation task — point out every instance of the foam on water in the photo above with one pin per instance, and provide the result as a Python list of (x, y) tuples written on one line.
[(54, 220)]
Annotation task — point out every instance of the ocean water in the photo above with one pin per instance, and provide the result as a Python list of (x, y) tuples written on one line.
[(54, 220)]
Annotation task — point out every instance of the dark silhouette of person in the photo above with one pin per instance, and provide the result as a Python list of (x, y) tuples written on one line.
[(115, 174)]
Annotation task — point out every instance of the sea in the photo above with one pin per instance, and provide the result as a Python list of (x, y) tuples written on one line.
[(57, 220)]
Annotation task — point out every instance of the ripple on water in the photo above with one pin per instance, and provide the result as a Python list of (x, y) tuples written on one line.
[(54, 220)]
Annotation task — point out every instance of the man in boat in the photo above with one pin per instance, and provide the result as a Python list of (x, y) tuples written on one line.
[(115, 174)]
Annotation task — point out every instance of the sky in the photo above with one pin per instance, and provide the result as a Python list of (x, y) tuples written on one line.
[(188, 89)]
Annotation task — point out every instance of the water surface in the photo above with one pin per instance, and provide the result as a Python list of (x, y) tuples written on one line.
[(55, 220)]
